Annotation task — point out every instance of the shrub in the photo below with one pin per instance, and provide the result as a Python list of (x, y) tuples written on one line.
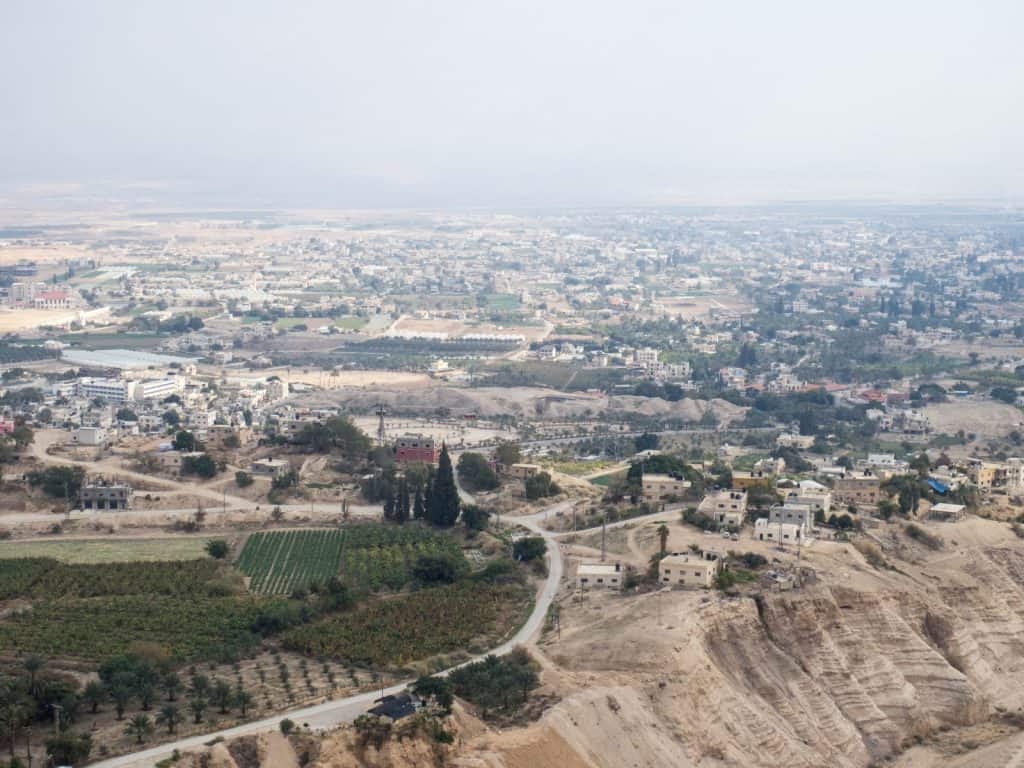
[(540, 486), (475, 472), (475, 518), (435, 569), (243, 479), (919, 534), (217, 549), (871, 553), (529, 548)]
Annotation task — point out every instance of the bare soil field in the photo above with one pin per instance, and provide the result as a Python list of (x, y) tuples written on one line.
[(983, 418), (339, 379), (29, 319), (695, 307), (406, 324)]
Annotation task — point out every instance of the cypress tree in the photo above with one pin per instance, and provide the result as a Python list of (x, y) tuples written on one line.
[(389, 506), (418, 510), (402, 502), (443, 507)]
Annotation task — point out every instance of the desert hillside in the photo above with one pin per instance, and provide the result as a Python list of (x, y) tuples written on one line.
[(915, 662)]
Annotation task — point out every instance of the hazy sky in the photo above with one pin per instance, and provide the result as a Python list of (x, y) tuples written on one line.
[(485, 103)]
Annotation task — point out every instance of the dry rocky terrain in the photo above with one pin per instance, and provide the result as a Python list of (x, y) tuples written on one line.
[(918, 663)]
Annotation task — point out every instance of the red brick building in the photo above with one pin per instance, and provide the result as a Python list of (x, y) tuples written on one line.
[(410, 448)]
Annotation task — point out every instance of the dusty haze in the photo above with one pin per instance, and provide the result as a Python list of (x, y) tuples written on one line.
[(468, 103)]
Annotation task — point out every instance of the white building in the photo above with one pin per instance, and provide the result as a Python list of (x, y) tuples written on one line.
[(689, 570), (114, 390), (782, 532), (90, 436), (599, 575)]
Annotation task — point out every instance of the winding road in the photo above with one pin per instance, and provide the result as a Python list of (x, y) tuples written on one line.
[(331, 714)]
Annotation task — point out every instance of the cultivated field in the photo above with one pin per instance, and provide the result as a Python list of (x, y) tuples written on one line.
[(107, 550), (394, 633), (365, 556)]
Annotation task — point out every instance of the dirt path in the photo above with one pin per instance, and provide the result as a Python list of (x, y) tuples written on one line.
[(46, 439)]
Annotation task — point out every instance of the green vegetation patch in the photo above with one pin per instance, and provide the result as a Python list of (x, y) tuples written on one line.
[(366, 557), (46, 579), (107, 550), (97, 628), (397, 631), (350, 322)]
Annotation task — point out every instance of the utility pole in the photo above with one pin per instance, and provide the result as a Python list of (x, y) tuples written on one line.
[(604, 520), (381, 411)]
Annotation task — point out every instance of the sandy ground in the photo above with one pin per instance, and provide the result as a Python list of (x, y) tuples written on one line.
[(27, 319), (339, 379), (454, 435), (982, 417), (694, 307), (12, 254)]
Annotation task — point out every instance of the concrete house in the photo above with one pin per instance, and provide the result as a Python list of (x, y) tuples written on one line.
[(694, 569), (607, 575)]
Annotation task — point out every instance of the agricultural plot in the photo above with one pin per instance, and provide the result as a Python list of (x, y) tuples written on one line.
[(42, 578), (190, 628), (109, 550), (395, 632), (367, 557), (279, 562)]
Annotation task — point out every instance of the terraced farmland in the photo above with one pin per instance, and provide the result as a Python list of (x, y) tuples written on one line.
[(370, 557)]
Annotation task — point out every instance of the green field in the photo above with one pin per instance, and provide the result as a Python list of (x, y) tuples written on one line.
[(606, 480), (351, 322), (108, 550), (502, 301), (280, 561), (46, 579), (143, 341), (369, 557), (97, 628)]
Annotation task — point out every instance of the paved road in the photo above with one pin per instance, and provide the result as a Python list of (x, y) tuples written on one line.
[(333, 713)]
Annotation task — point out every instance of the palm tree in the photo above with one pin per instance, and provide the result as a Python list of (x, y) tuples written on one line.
[(663, 537), (171, 685), (13, 714), (199, 686), (222, 695), (243, 699), (32, 665), (122, 696), (169, 716), (145, 691), (140, 726), (197, 706), (95, 694)]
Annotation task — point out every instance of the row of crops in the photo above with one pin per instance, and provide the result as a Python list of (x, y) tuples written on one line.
[(395, 632), (96, 628), (45, 578), (278, 562), (369, 557)]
